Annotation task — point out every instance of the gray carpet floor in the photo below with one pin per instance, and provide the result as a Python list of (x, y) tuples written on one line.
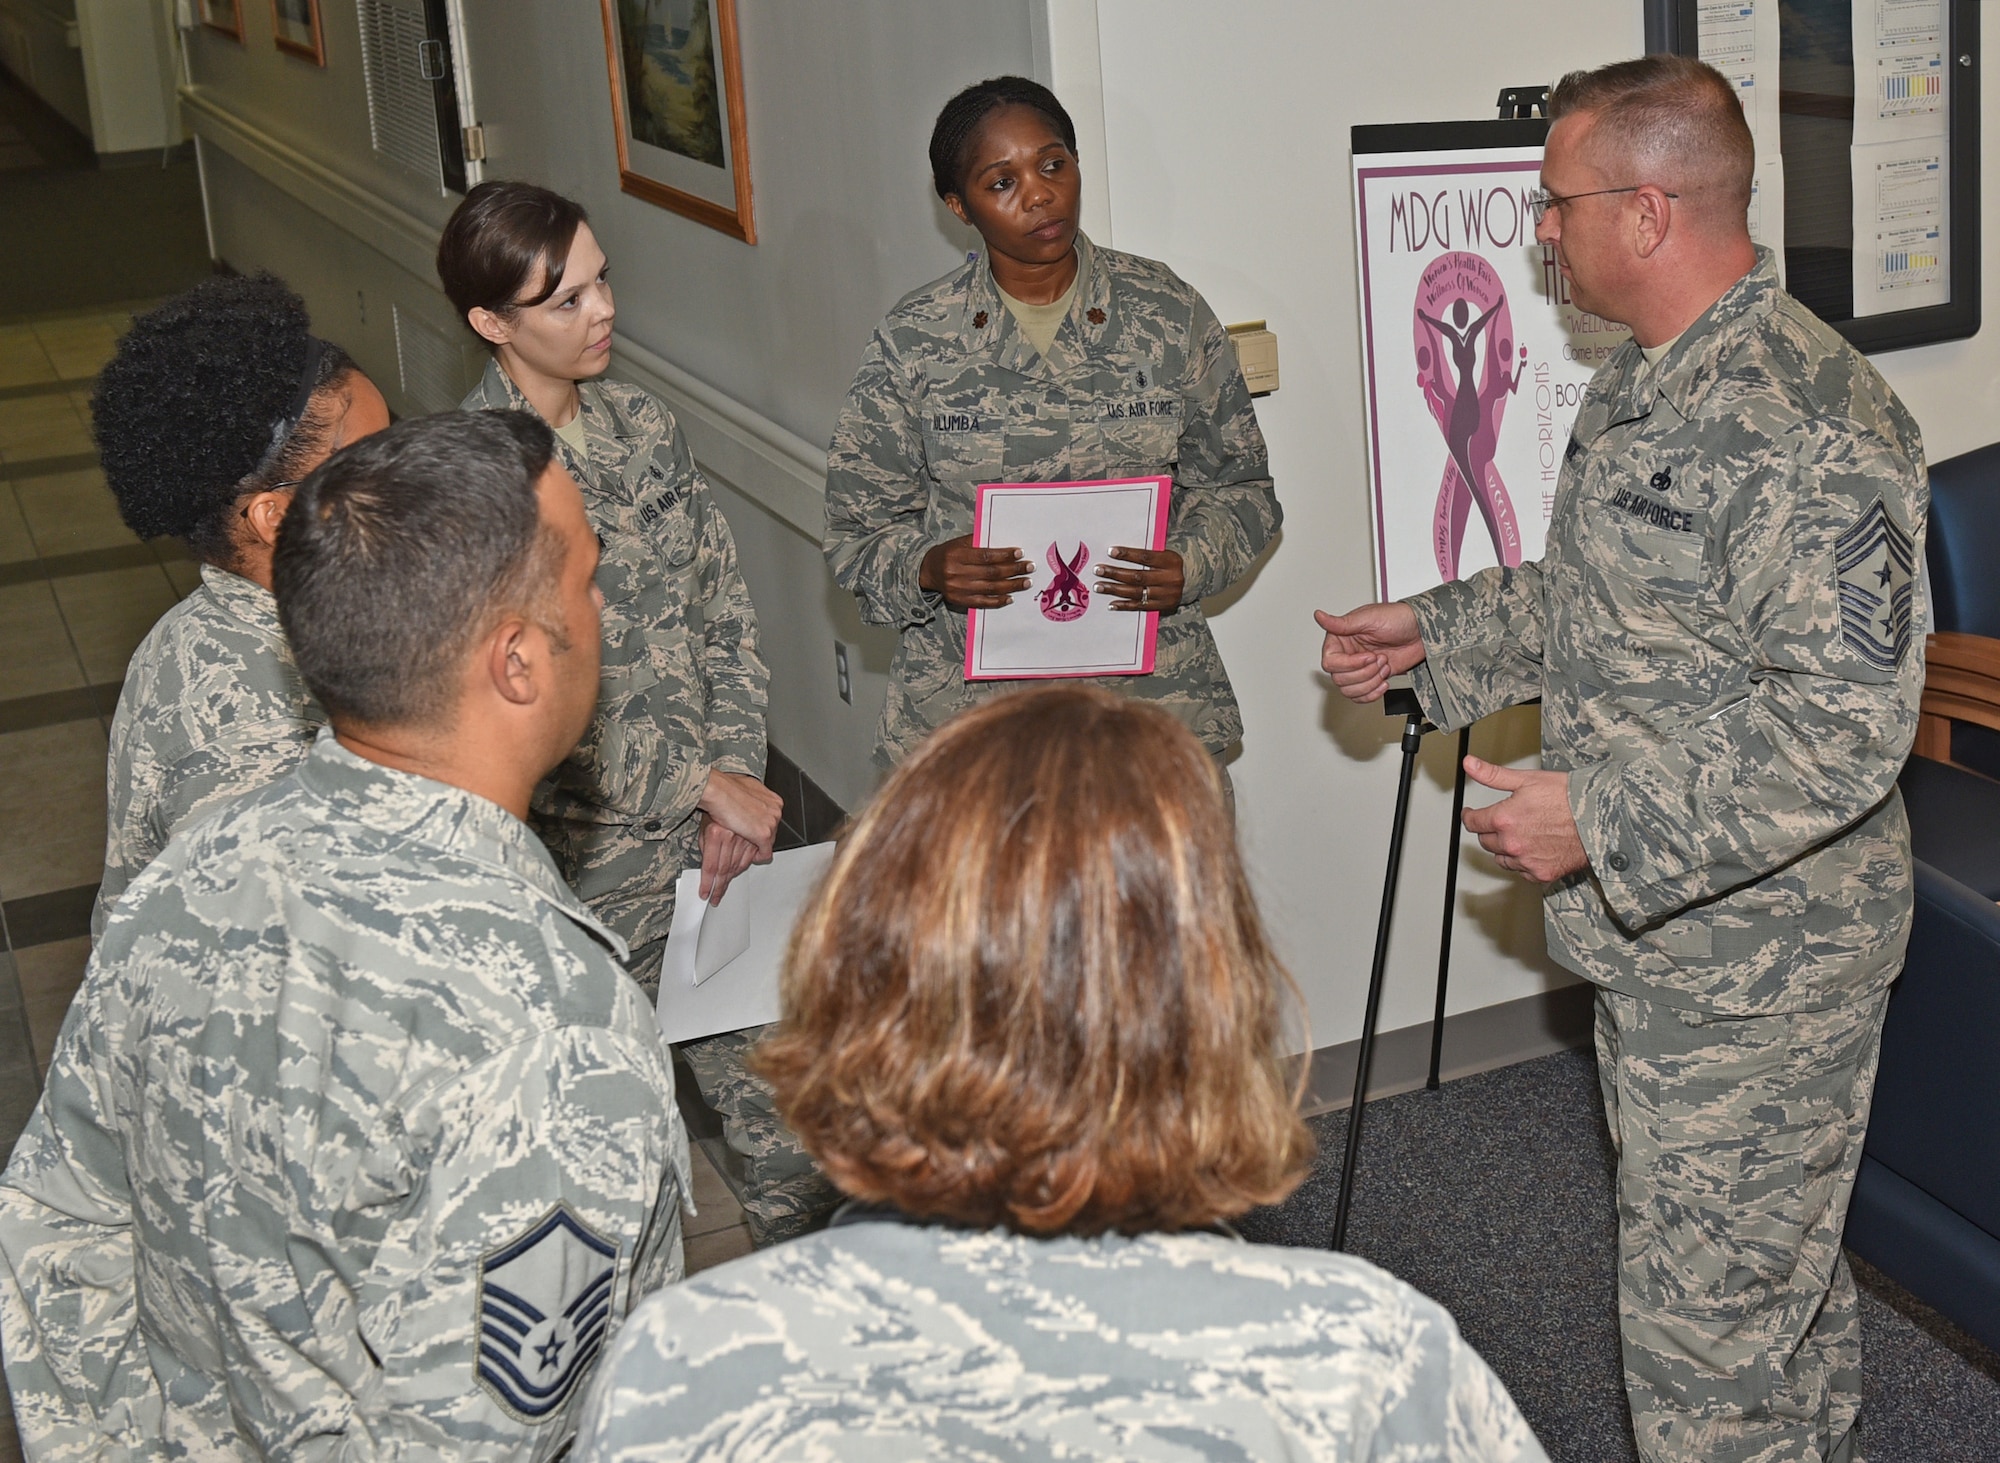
[(1494, 1197)]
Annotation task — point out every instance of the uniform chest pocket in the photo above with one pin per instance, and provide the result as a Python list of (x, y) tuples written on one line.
[(965, 437), (1142, 433), (1643, 537)]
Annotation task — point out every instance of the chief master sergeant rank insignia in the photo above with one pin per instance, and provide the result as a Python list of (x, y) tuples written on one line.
[(1876, 558)]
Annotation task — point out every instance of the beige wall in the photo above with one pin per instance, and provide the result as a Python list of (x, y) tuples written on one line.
[(1220, 148)]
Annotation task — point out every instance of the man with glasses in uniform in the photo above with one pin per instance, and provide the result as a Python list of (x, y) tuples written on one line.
[(1723, 632)]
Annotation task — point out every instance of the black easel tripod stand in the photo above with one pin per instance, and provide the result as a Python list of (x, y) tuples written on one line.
[(1400, 701)]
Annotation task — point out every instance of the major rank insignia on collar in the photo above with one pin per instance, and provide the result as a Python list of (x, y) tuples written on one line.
[(544, 1309), (1877, 561)]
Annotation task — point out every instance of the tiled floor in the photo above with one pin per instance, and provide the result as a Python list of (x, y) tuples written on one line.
[(77, 594)]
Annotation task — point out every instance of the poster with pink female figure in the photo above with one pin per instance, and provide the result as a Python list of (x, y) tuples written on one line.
[(1064, 625), (1474, 357)]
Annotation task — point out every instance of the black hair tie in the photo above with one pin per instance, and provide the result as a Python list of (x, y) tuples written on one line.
[(308, 384)]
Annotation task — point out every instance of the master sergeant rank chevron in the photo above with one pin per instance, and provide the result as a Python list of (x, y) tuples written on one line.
[(1876, 559), (544, 1309)]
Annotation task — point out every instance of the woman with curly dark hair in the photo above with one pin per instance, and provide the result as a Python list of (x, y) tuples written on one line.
[(1034, 1028), (215, 406)]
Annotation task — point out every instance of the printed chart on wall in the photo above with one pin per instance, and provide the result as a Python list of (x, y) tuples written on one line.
[(1900, 156), (1474, 357), (1740, 39)]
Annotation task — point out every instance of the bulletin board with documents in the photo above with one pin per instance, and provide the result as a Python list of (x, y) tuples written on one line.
[(1866, 117)]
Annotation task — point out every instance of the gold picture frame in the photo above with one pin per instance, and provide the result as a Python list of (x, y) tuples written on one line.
[(223, 15), (296, 27), (676, 71)]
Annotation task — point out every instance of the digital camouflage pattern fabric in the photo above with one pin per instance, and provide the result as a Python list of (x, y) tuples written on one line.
[(782, 1190), (1738, 1140), (356, 1144), (212, 708), (1725, 631), (683, 689), (886, 1340), (1141, 381), (1727, 637)]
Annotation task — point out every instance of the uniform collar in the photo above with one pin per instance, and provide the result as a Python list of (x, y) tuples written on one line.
[(1685, 373), (243, 599), (608, 429), (988, 326), (408, 807)]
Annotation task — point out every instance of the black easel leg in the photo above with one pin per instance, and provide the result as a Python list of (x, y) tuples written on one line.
[(1413, 738), (1450, 899)]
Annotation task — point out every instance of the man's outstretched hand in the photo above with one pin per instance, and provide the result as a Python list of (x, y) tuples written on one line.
[(1531, 832), (1365, 647)]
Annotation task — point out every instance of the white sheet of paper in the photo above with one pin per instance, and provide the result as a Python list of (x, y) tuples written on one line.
[(1767, 209), (708, 981), (1902, 86), (1902, 247), (1079, 524)]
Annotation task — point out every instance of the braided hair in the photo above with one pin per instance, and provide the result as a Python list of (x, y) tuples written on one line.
[(219, 392), (958, 124)]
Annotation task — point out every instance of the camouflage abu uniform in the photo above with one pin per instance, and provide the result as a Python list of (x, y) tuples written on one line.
[(1142, 381), (356, 1143), (887, 1340), (682, 693), (1723, 632), (212, 707)]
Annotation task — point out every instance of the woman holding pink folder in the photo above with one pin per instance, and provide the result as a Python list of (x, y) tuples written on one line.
[(1043, 359)]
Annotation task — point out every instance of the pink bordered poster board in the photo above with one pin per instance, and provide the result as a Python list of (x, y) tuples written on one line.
[(1064, 625), (1475, 358)]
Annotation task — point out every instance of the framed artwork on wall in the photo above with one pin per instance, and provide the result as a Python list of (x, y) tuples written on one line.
[(677, 108), (223, 15), (296, 28)]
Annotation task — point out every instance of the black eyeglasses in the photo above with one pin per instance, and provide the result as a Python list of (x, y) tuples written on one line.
[(1541, 200)]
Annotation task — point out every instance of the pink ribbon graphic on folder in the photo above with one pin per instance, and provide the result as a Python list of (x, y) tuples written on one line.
[(1067, 596), (1464, 332)]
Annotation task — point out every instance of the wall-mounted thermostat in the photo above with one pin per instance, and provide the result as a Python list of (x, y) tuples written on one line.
[(1257, 354)]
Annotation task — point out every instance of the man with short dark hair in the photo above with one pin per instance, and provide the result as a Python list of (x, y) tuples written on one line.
[(358, 1140), (1724, 635)]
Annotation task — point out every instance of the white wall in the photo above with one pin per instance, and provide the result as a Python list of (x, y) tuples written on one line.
[(38, 44), (1227, 134), (128, 66), (840, 100), (1220, 146)]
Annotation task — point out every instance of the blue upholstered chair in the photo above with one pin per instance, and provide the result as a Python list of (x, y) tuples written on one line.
[(1926, 1205), (1963, 555)]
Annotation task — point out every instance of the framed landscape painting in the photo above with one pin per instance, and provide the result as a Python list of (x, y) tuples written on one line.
[(223, 15), (295, 26), (677, 108)]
